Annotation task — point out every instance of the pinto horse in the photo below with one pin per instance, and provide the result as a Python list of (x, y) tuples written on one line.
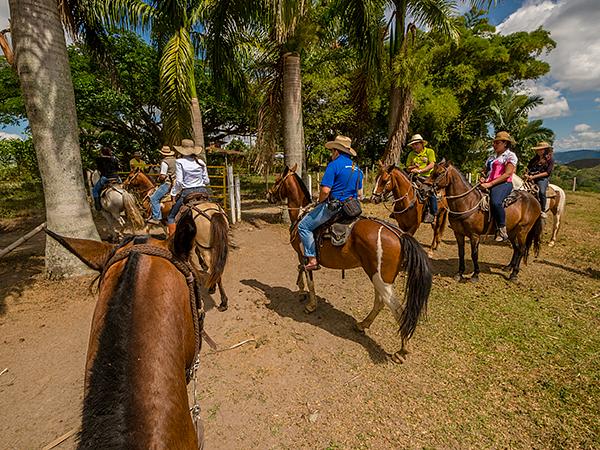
[(144, 342), (407, 209), (381, 249), (140, 184), (468, 219)]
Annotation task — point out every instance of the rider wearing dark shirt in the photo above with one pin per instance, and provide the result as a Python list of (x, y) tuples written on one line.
[(108, 166), (539, 170)]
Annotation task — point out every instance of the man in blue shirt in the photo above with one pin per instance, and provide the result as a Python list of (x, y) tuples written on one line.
[(341, 181)]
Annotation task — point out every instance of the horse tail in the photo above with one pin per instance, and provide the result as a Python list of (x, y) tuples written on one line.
[(219, 248), (534, 237), (131, 210), (418, 284)]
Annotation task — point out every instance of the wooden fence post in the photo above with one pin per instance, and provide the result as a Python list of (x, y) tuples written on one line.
[(230, 189), (238, 199), (574, 183)]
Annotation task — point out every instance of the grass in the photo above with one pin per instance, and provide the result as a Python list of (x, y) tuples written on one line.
[(20, 198)]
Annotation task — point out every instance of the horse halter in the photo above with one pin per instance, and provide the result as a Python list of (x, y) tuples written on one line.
[(386, 190)]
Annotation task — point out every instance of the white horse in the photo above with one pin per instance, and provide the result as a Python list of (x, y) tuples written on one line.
[(555, 202), (114, 201)]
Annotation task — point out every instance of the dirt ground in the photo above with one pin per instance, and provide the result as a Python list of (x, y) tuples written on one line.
[(306, 381)]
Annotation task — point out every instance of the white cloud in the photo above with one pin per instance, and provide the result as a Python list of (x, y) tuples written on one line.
[(583, 136), (573, 24), (555, 104), (7, 136), (582, 128), (4, 14)]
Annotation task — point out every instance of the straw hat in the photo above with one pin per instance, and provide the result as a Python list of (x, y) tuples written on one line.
[(504, 136), (543, 145), (166, 151), (417, 138), (137, 153), (342, 144), (188, 147)]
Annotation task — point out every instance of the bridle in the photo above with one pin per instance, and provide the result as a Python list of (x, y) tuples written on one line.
[(276, 188), (387, 191), (453, 197)]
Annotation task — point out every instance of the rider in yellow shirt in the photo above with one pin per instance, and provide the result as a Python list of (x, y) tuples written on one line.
[(421, 160)]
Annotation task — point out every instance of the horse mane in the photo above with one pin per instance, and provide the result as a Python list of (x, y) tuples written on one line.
[(107, 402), (304, 188), (460, 174)]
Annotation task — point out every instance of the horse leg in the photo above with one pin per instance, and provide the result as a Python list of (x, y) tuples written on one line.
[(311, 306), (460, 240), (387, 297), (368, 321), (513, 260), (555, 227), (475, 258), (518, 245), (224, 300)]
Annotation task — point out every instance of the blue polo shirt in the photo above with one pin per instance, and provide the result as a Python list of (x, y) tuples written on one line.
[(341, 179)]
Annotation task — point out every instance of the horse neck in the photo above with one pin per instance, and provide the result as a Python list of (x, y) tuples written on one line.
[(296, 198), (144, 183), (139, 349), (402, 185), (457, 186)]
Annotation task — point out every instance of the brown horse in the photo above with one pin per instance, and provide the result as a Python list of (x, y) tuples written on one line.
[(468, 219), (139, 183), (144, 342), (407, 207), (381, 249)]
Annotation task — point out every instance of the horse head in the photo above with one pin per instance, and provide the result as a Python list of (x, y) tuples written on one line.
[(131, 177), (439, 175), (384, 183), (278, 192)]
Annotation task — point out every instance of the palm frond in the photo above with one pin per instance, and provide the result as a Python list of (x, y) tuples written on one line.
[(437, 15), (176, 74)]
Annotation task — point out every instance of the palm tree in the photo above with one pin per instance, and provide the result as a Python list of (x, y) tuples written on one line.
[(511, 113), (42, 65), (364, 20)]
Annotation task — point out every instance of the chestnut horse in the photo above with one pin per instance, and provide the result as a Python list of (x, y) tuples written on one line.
[(407, 208), (381, 249), (144, 342), (556, 201), (468, 219), (139, 183)]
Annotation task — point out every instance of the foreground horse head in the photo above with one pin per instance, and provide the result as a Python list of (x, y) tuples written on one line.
[(381, 249), (144, 339)]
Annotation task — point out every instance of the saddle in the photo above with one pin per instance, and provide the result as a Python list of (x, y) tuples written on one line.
[(113, 183), (337, 231), (195, 198), (513, 197)]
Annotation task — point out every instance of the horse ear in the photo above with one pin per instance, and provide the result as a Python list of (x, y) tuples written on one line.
[(94, 254), (293, 169), (185, 236), (443, 162), (390, 168), (381, 164)]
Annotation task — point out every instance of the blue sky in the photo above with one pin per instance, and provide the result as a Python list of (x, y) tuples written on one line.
[(571, 91)]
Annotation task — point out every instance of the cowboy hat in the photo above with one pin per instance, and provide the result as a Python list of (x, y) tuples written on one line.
[(137, 153), (504, 136), (188, 147), (417, 138), (542, 145), (342, 144), (166, 151)]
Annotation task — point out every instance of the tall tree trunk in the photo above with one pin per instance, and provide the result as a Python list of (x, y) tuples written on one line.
[(293, 130), (403, 105), (197, 126), (43, 68)]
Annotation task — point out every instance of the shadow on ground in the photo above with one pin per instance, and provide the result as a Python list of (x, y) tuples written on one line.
[(285, 302)]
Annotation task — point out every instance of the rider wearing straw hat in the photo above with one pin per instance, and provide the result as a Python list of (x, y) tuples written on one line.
[(420, 161), (166, 176), (499, 169), (539, 170), (341, 181), (191, 175)]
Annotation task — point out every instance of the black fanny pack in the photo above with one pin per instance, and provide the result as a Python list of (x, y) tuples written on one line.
[(351, 207)]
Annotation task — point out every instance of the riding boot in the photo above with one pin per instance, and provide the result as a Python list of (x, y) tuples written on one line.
[(171, 227), (501, 234), (97, 204)]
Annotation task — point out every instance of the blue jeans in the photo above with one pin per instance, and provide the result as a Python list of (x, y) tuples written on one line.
[(497, 195), (433, 204), (310, 222), (155, 200), (97, 190), (542, 184), (177, 206)]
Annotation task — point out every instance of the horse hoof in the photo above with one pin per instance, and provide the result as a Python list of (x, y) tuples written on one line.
[(513, 277), (458, 277), (507, 268), (474, 279), (222, 307), (551, 244), (308, 309), (399, 357), (430, 254), (359, 326)]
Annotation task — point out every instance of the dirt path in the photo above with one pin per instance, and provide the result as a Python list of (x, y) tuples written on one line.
[(308, 381)]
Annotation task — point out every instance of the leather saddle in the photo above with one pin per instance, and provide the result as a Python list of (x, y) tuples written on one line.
[(337, 231)]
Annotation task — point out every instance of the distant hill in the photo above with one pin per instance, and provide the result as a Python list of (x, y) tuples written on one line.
[(585, 163), (567, 157)]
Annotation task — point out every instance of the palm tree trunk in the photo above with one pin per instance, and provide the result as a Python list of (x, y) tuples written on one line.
[(403, 104), (293, 130), (43, 68), (197, 125)]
